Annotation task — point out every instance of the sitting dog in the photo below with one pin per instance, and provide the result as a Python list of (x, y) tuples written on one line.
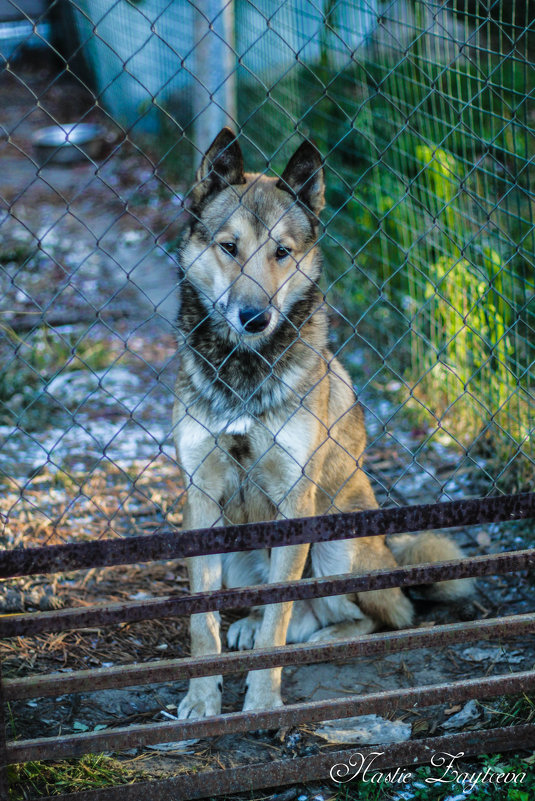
[(266, 422)]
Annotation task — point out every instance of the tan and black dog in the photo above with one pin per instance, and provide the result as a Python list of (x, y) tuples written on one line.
[(266, 421)]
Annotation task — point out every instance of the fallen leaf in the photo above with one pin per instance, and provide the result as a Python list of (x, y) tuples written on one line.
[(420, 726)]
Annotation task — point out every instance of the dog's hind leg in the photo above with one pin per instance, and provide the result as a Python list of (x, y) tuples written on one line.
[(388, 606), (361, 556), (242, 633), (417, 549), (309, 621), (347, 630)]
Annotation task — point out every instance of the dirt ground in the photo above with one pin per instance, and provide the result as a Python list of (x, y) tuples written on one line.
[(84, 249)]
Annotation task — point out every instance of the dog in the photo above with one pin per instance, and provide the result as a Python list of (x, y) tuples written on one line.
[(266, 422)]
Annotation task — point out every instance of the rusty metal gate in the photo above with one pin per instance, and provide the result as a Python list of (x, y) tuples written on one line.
[(423, 112), (173, 544)]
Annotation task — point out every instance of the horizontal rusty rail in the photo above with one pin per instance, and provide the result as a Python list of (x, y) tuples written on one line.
[(72, 745), (291, 771), (179, 544), (84, 681), (169, 606)]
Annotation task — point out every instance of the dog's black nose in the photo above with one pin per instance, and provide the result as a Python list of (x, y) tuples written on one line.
[(255, 320)]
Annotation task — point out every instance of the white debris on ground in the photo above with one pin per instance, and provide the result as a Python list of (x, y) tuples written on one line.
[(85, 415), (364, 730), (107, 387), (470, 712), (491, 654)]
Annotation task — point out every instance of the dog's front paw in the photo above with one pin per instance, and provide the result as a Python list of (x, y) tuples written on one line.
[(203, 698), (242, 633), (266, 700), (263, 690)]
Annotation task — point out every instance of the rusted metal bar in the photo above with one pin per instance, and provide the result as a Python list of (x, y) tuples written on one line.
[(170, 606), (318, 767), (138, 736), (174, 544), (93, 680)]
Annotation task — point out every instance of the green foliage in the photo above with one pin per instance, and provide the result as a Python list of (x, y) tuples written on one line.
[(463, 344), (514, 710), (37, 779), (17, 253)]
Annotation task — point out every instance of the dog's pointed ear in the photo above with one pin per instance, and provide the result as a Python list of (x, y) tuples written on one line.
[(303, 177), (221, 166)]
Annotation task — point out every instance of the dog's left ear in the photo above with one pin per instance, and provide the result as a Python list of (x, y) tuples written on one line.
[(303, 177)]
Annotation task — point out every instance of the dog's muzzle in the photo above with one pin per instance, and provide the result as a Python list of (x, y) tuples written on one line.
[(254, 321)]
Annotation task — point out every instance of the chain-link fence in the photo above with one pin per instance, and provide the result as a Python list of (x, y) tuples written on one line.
[(418, 193), (423, 113)]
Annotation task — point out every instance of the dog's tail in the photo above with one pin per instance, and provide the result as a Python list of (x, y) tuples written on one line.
[(410, 549)]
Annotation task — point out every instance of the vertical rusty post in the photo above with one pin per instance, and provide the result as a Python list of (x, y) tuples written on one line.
[(4, 780)]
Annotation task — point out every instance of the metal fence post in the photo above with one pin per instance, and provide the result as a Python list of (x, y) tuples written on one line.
[(214, 94)]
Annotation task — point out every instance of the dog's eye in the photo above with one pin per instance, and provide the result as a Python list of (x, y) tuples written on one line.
[(282, 253), (229, 247)]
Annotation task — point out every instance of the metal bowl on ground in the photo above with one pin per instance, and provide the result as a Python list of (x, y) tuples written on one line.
[(68, 143)]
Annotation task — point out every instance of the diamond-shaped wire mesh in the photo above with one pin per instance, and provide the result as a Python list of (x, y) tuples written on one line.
[(424, 115)]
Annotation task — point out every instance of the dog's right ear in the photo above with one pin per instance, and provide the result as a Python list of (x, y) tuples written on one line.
[(221, 166)]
